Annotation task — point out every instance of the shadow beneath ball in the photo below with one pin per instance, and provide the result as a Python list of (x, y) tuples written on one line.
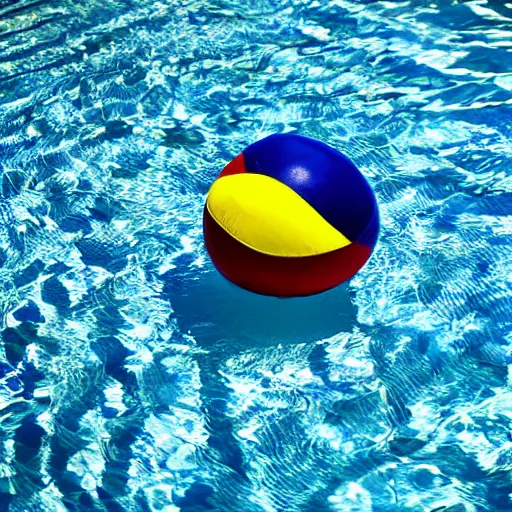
[(226, 321), (215, 311)]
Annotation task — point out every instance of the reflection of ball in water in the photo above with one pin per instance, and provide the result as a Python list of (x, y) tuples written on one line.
[(290, 216)]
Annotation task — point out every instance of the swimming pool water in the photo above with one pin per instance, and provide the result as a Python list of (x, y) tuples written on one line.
[(133, 377)]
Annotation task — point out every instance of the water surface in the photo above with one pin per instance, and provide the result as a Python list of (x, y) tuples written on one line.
[(133, 377)]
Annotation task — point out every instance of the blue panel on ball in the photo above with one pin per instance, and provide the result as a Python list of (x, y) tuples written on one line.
[(322, 176), (371, 233)]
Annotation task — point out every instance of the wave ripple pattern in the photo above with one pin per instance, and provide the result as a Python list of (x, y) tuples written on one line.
[(132, 377)]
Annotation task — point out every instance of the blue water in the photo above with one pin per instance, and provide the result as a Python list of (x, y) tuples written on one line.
[(134, 378)]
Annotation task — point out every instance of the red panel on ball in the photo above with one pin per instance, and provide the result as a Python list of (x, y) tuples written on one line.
[(236, 166), (277, 276)]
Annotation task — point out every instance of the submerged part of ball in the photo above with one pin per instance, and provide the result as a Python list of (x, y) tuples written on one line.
[(290, 216)]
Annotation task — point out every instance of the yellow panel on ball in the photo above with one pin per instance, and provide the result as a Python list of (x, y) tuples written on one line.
[(270, 217)]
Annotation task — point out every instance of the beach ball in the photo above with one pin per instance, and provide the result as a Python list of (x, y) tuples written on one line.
[(290, 216)]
